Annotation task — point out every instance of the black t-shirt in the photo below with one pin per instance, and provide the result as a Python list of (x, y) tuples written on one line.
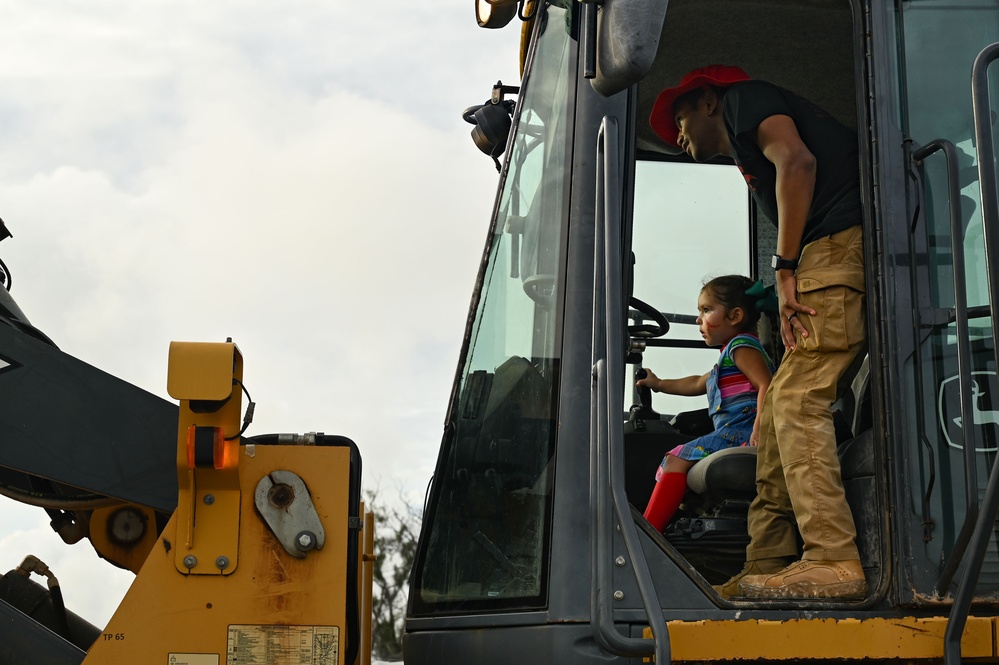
[(836, 201)]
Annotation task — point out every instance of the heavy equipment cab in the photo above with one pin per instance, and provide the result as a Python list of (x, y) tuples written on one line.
[(533, 546)]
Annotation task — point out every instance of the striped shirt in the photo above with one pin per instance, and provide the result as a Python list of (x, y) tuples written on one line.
[(734, 390)]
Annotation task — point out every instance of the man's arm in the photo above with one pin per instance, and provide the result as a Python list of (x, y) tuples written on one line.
[(778, 138)]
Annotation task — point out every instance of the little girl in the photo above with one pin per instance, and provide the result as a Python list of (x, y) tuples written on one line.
[(728, 309)]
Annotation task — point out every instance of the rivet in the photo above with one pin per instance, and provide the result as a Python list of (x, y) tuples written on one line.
[(190, 561), (619, 561), (619, 595), (222, 562), (209, 499)]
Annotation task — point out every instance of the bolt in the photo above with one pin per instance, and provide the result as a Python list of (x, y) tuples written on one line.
[(305, 541), (126, 526), (190, 561), (281, 495), (209, 499), (222, 562), (619, 595), (619, 561)]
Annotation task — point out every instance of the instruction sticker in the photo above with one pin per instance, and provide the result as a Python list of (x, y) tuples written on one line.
[(283, 645)]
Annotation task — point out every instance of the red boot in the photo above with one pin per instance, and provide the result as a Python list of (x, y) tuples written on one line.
[(665, 499)]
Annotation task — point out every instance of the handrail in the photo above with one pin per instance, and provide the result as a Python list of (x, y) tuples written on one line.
[(606, 438), (919, 405), (990, 221), (963, 357)]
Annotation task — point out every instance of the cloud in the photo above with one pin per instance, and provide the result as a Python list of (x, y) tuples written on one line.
[(322, 251)]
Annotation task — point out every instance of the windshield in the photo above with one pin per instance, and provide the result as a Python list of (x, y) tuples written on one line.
[(484, 546)]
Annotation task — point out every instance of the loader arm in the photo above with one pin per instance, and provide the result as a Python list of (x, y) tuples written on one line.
[(74, 425)]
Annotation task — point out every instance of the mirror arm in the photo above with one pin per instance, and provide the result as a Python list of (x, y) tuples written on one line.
[(590, 32)]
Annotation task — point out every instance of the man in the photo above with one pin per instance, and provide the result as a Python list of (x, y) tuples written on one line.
[(802, 168)]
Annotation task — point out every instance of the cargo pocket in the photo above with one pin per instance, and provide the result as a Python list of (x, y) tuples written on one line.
[(839, 323)]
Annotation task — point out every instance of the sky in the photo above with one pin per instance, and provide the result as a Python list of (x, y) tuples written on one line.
[(294, 175)]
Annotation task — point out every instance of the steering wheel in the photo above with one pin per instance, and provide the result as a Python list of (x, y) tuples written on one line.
[(660, 324)]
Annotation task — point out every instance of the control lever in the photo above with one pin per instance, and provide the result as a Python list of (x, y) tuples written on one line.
[(644, 392), (641, 412)]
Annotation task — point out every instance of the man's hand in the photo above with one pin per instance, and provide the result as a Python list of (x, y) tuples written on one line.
[(787, 299)]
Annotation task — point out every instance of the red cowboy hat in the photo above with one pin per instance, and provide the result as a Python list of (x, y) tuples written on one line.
[(719, 76)]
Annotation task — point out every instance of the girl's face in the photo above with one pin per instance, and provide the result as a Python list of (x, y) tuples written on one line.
[(716, 323)]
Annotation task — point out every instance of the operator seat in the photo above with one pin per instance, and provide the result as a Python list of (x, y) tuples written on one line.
[(731, 471), (726, 474)]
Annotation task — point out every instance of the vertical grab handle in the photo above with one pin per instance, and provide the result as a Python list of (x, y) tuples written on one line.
[(990, 220), (963, 356), (607, 495)]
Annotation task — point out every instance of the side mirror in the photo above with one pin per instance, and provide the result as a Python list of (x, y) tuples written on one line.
[(628, 34)]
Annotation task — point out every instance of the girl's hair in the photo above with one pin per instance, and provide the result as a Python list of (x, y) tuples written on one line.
[(730, 291)]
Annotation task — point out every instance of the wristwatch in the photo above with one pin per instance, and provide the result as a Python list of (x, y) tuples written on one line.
[(780, 263)]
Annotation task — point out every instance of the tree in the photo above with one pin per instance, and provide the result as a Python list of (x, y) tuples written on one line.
[(397, 528)]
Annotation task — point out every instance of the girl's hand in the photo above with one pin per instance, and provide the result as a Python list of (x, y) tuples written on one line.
[(754, 438), (651, 381), (787, 298)]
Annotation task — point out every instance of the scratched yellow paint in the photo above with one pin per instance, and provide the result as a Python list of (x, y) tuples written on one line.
[(167, 612)]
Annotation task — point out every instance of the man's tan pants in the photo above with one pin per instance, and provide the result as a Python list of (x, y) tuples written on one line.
[(797, 470)]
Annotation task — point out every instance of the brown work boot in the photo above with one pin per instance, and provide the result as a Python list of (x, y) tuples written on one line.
[(809, 579), (759, 567)]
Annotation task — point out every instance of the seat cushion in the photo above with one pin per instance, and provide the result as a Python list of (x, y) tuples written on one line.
[(732, 469)]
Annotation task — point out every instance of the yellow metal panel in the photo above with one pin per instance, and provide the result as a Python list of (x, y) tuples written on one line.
[(804, 639), (201, 370), (166, 612), (208, 538), (208, 503)]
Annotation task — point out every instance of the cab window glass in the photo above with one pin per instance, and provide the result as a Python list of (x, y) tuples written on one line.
[(484, 543), (691, 223)]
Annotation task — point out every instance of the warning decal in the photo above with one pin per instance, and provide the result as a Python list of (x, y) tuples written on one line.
[(283, 645)]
